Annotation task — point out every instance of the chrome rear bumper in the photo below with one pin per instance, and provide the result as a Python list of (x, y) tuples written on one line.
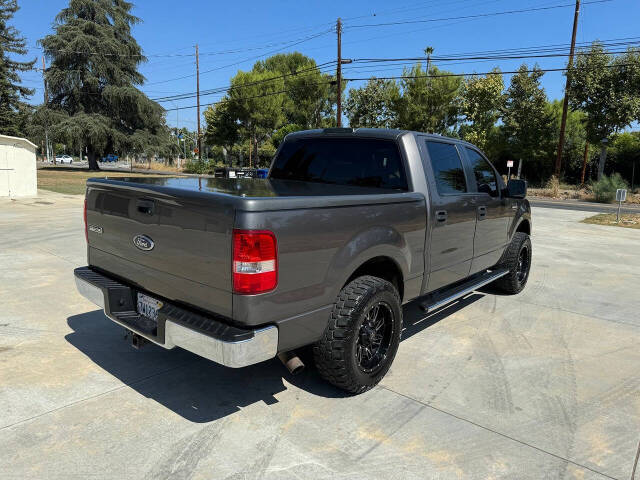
[(204, 336)]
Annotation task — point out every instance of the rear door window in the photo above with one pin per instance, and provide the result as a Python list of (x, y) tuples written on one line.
[(447, 168), (485, 175), (360, 162)]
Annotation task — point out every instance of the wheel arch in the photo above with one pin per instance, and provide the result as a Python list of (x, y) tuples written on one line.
[(524, 226), (383, 267)]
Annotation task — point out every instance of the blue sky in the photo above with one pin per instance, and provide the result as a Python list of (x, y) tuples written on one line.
[(233, 35)]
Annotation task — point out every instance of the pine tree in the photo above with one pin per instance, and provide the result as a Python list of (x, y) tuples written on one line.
[(12, 93), (93, 96)]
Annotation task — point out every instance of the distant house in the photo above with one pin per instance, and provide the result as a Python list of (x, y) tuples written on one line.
[(17, 167)]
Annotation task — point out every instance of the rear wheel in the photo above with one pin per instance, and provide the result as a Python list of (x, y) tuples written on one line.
[(517, 258), (362, 337)]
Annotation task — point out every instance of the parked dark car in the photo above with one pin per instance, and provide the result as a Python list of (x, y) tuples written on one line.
[(348, 226)]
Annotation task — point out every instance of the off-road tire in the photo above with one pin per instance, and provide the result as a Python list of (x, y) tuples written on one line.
[(335, 353), (513, 282)]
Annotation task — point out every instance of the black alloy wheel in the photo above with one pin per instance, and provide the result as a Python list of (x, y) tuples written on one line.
[(374, 337)]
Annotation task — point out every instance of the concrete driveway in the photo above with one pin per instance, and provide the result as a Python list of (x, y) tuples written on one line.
[(545, 384)]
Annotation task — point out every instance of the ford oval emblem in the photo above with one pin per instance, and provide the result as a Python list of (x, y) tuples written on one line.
[(143, 242)]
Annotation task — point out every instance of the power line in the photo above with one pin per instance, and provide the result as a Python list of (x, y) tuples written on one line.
[(408, 9), (493, 72), (397, 33), (494, 57), (407, 77), (396, 61), (312, 37), (469, 17), (551, 47), (308, 70), (166, 55), (328, 82)]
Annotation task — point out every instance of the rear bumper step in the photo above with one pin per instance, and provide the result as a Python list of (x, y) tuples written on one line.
[(470, 285), (176, 327)]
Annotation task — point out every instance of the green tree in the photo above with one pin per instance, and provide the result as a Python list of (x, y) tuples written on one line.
[(625, 155), (527, 120), (602, 86), (373, 105), (430, 101), (93, 79), (278, 136), (221, 126), (482, 102), (185, 141), (307, 100), (256, 103), (12, 108), (575, 140)]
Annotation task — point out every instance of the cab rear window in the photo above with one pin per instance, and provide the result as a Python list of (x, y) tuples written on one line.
[(341, 161)]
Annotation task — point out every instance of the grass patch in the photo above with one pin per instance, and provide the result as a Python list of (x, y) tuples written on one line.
[(158, 166), (609, 219), (70, 181)]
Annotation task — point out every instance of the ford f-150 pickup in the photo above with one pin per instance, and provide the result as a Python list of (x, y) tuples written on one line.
[(348, 226)]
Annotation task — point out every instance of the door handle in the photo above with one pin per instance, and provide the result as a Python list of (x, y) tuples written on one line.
[(145, 206), (482, 213), (441, 216)]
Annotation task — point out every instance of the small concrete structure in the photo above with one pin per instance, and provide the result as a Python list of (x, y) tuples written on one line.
[(17, 167)]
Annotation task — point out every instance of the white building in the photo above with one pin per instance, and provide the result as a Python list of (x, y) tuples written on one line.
[(17, 167)]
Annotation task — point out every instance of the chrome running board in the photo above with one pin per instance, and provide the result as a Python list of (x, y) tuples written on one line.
[(474, 283)]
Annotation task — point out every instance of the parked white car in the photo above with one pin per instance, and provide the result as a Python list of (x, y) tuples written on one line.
[(64, 159)]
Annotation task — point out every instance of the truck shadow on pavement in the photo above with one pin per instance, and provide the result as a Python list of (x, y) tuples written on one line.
[(200, 390)]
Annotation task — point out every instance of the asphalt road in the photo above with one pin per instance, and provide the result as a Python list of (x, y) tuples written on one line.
[(106, 167), (584, 206), (542, 385)]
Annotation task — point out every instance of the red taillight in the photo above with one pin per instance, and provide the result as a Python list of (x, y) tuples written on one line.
[(255, 261), (86, 231)]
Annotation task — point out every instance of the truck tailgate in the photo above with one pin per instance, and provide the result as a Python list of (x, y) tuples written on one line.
[(175, 247)]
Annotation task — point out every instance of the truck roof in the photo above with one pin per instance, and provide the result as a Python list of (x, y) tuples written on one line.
[(382, 133)]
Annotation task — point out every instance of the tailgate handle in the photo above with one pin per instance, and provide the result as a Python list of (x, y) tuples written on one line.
[(145, 206)]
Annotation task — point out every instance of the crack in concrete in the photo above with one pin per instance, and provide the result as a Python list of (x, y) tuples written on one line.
[(635, 463), (471, 422), (106, 392)]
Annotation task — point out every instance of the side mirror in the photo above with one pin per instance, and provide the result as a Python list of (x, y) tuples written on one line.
[(516, 189)]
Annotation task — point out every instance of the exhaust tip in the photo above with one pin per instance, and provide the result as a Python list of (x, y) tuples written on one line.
[(292, 362), (137, 341)]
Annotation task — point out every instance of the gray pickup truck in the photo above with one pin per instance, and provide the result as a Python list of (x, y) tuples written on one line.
[(348, 226)]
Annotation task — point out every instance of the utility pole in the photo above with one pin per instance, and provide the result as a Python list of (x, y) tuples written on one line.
[(565, 105), (584, 162), (339, 74), (46, 101), (198, 90)]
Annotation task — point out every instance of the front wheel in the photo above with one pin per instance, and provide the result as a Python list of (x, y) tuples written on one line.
[(362, 337), (517, 259)]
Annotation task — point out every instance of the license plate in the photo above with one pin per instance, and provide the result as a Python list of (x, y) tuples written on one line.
[(148, 306)]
